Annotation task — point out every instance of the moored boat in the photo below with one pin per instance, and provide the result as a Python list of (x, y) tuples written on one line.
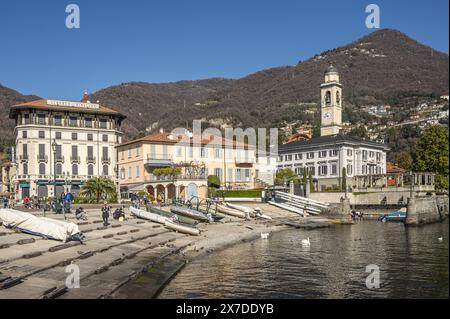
[(398, 216)]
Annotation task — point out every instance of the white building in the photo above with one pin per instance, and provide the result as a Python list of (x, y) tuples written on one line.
[(62, 144), (327, 156)]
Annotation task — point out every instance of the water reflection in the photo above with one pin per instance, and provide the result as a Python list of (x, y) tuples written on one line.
[(413, 264)]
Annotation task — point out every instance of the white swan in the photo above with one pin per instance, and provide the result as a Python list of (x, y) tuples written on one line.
[(306, 242), (440, 238), (265, 235)]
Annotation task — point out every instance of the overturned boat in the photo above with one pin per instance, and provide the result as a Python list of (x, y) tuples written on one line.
[(181, 219), (230, 211), (187, 212), (254, 212), (40, 226), (398, 216), (168, 222)]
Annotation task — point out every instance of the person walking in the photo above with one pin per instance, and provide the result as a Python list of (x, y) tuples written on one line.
[(68, 200), (105, 213)]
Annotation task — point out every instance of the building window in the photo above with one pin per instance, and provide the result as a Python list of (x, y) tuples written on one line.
[(333, 169), (138, 173), (288, 158), (129, 172), (129, 153), (41, 134), (25, 169), (371, 154), (105, 138), (58, 169), (88, 122), (74, 136), (333, 153), (105, 170), (90, 137), (102, 123), (349, 152), (298, 156), (203, 152), (26, 119), (58, 120), (280, 158), (322, 154), (41, 119), (122, 155), (24, 134), (230, 175), (218, 173), (310, 155), (349, 169), (378, 157), (364, 155), (90, 170), (73, 121), (122, 173), (74, 169), (58, 135), (42, 169), (137, 151), (323, 170), (217, 152)]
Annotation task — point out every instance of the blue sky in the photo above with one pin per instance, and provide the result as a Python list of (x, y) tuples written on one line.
[(170, 40)]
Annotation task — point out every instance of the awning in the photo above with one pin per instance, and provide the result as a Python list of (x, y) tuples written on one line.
[(24, 185)]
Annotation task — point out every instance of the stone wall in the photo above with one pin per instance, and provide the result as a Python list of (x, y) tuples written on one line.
[(426, 210)]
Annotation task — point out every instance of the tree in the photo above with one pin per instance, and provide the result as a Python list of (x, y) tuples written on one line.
[(100, 188), (431, 151), (358, 132), (285, 174), (344, 179), (213, 181), (404, 160)]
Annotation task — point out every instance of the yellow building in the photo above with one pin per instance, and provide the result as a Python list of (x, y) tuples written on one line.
[(140, 162)]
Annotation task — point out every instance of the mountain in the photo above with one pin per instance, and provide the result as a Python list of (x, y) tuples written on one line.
[(385, 66), (9, 97), (380, 67)]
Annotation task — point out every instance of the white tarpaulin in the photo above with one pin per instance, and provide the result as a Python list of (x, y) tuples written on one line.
[(31, 224)]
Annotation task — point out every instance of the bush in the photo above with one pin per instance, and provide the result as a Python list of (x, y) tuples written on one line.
[(213, 181), (250, 193)]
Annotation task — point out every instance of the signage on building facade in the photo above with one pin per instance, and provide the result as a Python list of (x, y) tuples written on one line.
[(73, 104)]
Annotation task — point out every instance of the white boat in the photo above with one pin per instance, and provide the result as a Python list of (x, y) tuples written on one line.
[(149, 216), (40, 226), (182, 229), (240, 208), (164, 221), (230, 211)]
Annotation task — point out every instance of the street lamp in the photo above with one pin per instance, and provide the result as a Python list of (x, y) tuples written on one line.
[(54, 146)]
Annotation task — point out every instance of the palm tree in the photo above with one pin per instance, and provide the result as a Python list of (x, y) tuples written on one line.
[(100, 187)]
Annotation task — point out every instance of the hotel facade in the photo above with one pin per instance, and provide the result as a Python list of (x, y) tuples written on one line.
[(232, 162), (62, 144)]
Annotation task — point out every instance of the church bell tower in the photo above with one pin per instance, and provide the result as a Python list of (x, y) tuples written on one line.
[(331, 103)]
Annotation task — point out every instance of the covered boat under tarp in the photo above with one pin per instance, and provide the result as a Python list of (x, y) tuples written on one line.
[(40, 226)]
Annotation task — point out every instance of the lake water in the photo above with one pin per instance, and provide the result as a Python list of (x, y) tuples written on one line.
[(413, 263)]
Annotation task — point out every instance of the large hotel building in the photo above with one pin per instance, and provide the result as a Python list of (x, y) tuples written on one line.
[(62, 144)]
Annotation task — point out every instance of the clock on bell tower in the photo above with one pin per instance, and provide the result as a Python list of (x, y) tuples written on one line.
[(331, 103)]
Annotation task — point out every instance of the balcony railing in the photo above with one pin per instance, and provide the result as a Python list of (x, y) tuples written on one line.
[(59, 159), (159, 160), (91, 160), (42, 158), (243, 160), (24, 157), (106, 160), (74, 159), (169, 178)]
